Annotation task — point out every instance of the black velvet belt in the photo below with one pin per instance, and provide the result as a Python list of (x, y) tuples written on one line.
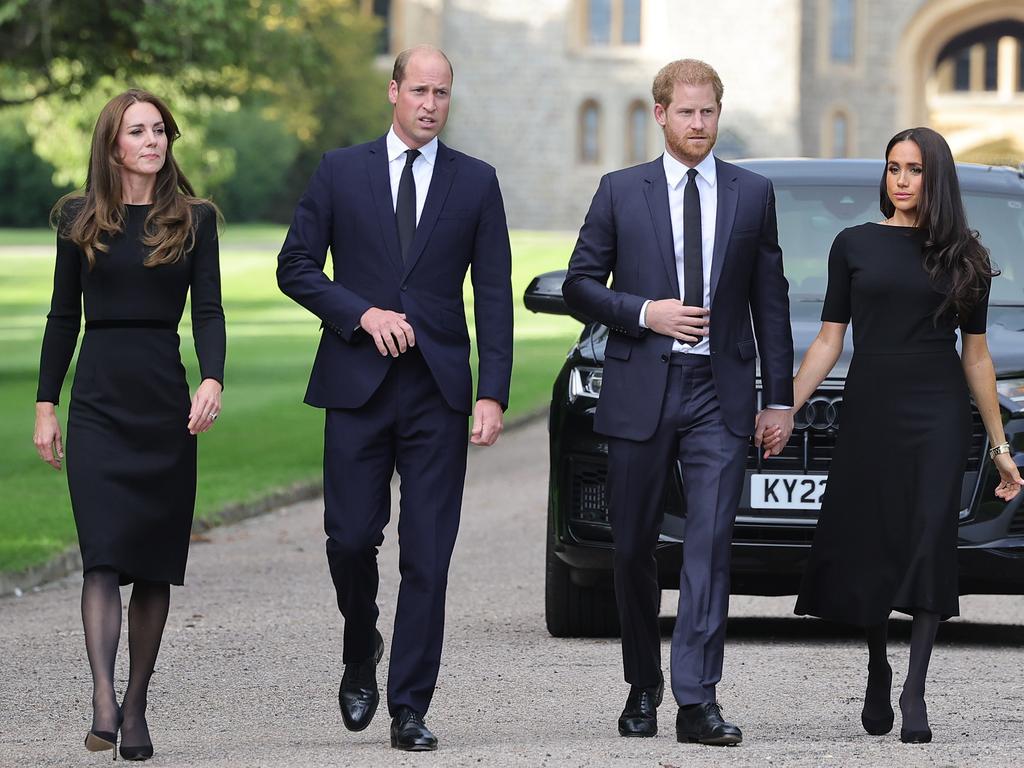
[(98, 325)]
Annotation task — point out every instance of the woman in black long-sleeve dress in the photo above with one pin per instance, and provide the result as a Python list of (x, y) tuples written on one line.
[(131, 249), (887, 533)]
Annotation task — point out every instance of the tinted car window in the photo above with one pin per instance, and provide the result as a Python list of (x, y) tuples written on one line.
[(811, 216)]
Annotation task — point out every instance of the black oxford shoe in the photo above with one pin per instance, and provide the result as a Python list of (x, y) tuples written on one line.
[(640, 715), (703, 724), (409, 732), (358, 696)]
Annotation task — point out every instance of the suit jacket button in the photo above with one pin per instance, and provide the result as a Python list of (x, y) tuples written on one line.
[(404, 287), (664, 358)]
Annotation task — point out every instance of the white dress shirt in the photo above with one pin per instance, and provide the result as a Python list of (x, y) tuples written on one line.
[(707, 186), (422, 168)]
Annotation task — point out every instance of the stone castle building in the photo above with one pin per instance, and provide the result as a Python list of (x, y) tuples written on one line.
[(555, 93)]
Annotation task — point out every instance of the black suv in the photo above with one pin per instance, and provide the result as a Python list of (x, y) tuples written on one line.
[(781, 496)]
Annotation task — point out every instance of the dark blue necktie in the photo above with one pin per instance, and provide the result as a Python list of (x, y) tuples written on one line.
[(405, 207), (693, 251)]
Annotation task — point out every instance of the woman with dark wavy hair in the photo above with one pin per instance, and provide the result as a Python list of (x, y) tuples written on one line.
[(887, 533), (130, 248)]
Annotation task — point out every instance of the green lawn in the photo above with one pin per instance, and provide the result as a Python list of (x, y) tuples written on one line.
[(266, 438)]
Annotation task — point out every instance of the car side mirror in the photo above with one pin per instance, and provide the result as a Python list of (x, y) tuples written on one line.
[(544, 295)]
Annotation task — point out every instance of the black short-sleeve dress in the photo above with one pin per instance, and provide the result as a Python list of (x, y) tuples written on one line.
[(887, 532), (131, 462)]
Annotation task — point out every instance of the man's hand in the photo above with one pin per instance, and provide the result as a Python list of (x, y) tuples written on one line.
[(488, 421), (772, 430), (670, 317), (390, 331)]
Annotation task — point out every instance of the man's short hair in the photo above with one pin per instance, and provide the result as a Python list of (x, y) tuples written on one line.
[(402, 61), (687, 72)]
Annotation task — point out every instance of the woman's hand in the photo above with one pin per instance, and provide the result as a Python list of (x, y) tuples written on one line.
[(47, 437), (1009, 475), (205, 406)]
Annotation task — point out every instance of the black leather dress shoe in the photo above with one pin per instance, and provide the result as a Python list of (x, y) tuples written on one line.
[(358, 696), (640, 716), (409, 732), (703, 724)]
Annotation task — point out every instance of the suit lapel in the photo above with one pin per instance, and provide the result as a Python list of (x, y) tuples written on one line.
[(380, 185), (656, 192), (728, 195), (437, 193)]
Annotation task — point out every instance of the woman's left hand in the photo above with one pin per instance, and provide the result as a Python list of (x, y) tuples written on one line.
[(1009, 475), (205, 406)]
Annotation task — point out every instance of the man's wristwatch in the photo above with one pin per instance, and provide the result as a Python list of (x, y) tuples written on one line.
[(998, 449)]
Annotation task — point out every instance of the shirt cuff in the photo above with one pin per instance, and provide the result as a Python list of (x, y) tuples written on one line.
[(776, 407), (643, 313)]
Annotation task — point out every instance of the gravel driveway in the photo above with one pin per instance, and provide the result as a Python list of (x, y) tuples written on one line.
[(251, 660)]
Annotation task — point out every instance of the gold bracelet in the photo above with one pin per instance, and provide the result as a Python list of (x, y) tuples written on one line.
[(998, 449)]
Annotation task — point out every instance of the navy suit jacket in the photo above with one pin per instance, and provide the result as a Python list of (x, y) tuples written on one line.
[(628, 234), (348, 208)]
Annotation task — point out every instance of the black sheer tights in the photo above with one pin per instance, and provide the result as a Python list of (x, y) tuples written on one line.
[(101, 617), (877, 704)]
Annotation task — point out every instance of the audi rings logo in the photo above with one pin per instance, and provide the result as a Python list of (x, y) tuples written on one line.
[(819, 413)]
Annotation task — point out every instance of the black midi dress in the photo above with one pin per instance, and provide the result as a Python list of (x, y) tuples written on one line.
[(131, 462), (887, 532)]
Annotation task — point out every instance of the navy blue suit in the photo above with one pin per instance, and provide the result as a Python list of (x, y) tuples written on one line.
[(406, 413), (657, 408)]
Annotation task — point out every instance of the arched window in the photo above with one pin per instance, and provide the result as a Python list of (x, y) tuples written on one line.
[(612, 22), (841, 31), (590, 132), (970, 62), (636, 133)]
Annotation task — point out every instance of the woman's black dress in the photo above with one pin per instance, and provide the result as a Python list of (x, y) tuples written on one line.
[(887, 533), (131, 461)]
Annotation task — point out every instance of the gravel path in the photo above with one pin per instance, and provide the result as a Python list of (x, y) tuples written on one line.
[(251, 660)]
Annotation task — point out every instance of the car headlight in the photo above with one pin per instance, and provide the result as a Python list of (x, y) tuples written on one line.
[(1011, 394), (585, 382)]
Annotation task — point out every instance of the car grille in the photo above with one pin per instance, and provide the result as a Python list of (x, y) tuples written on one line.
[(811, 445), (589, 502)]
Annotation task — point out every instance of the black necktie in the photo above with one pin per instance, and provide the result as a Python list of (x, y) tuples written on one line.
[(693, 251), (405, 208)]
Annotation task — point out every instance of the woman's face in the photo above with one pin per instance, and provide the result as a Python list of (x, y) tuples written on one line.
[(141, 140), (904, 175)]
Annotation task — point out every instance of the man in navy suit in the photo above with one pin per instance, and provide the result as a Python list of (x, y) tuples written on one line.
[(691, 243), (404, 217)]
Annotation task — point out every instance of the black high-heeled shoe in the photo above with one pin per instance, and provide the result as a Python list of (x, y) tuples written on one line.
[(138, 752), (98, 741), (143, 752), (916, 737), (878, 726)]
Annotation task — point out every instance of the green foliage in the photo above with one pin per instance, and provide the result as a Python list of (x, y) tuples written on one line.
[(266, 438), (261, 152), (260, 88), (28, 190)]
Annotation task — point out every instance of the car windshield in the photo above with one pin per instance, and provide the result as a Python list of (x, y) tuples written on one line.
[(811, 216)]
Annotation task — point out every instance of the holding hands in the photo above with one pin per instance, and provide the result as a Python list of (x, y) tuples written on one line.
[(772, 430), (205, 406), (670, 317)]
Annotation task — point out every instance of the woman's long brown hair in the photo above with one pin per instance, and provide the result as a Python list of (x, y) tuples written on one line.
[(99, 212)]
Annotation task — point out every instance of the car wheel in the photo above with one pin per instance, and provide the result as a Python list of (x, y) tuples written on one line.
[(575, 611)]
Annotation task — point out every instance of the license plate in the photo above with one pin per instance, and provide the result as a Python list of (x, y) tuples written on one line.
[(787, 491)]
